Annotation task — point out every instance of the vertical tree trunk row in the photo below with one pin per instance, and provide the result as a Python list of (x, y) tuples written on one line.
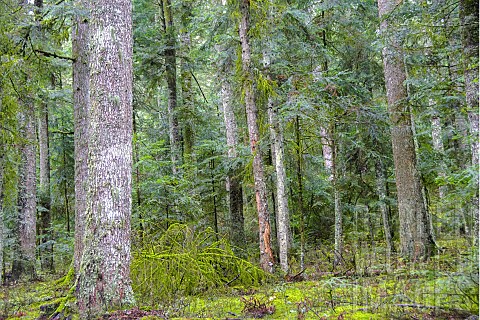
[(266, 254)]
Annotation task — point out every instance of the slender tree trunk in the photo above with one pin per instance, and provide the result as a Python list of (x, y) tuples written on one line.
[(300, 191), (381, 182), (187, 92), (329, 156), (437, 142), (469, 19), (415, 240), (81, 103), (46, 252), (45, 198), (2, 191), (104, 275), (234, 184), (266, 254), (24, 261), (283, 216), (171, 74), (136, 162)]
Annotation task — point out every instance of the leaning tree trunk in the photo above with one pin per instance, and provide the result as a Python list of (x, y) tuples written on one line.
[(266, 254), (104, 275), (80, 109), (415, 237), (469, 19), (24, 261)]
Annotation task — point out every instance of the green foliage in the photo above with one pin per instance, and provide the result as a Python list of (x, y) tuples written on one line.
[(183, 261)]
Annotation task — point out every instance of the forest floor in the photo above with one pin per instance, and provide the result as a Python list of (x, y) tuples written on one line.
[(444, 288)]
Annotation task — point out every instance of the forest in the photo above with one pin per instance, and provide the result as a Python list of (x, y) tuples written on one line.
[(239, 159)]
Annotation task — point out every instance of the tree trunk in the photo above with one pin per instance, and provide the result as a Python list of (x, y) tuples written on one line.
[(187, 92), (104, 276), (81, 103), (469, 19), (2, 187), (437, 142), (415, 239), (381, 182), (234, 184), (266, 254), (283, 216), (329, 156), (45, 198), (24, 261), (171, 74), (300, 192)]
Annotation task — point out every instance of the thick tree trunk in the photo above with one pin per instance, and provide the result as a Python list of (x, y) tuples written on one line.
[(415, 237), (104, 275), (266, 254), (469, 19), (24, 261), (81, 103), (171, 74), (234, 185)]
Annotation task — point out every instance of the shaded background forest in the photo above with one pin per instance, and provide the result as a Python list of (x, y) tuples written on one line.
[(317, 63)]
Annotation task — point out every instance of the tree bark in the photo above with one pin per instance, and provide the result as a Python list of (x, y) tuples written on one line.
[(81, 103), (415, 237), (104, 275), (266, 254), (24, 261)]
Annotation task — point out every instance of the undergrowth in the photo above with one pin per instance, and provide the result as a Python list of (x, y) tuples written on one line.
[(181, 263)]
